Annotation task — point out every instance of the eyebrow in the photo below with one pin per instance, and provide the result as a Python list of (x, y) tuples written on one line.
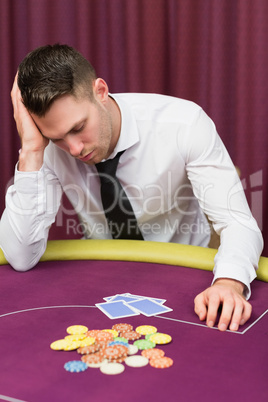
[(75, 125), (68, 132)]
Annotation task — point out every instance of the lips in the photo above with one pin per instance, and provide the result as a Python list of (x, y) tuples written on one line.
[(87, 157)]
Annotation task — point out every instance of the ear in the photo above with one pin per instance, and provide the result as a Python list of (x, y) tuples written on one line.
[(100, 90)]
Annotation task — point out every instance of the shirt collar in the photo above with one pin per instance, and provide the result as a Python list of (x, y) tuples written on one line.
[(129, 134)]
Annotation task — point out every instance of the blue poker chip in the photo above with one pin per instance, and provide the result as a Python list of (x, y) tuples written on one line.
[(117, 343), (120, 339), (75, 366)]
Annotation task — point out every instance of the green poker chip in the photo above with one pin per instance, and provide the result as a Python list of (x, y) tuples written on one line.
[(120, 339), (143, 344)]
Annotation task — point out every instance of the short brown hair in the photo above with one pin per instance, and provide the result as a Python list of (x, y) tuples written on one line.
[(50, 72)]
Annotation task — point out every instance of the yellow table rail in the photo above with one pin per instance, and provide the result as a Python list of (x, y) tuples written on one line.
[(141, 251)]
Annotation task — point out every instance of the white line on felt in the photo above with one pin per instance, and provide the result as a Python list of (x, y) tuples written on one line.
[(157, 316), (8, 398), (41, 308), (205, 326), (186, 322), (255, 322)]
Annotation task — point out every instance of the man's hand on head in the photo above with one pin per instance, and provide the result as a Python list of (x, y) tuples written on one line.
[(33, 143), (227, 293)]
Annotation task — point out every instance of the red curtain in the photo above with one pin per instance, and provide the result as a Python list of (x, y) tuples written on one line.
[(213, 52)]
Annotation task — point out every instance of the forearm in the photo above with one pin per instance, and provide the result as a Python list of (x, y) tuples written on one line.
[(30, 161), (221, 196), (21, 254), (25, 223), (238, 255)]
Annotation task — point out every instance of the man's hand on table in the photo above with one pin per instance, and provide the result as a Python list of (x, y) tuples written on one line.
[(227, 293)]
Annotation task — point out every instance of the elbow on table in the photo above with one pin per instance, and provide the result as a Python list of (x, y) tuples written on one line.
[(21, 265), (22, 261)]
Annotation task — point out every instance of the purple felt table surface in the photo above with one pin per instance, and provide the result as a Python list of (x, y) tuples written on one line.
[(37, 306)]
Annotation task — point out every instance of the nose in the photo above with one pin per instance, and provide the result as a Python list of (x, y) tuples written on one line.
[(75, 145)]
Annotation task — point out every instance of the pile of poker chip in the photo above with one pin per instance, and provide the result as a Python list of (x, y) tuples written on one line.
[(108, 349)]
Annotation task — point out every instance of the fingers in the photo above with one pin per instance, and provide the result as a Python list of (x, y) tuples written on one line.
[(15, 89), (231, 314), (200, 307), (246, 313), (235, 309), (18, 107), (234, 313), (214, 302), (14, 92)]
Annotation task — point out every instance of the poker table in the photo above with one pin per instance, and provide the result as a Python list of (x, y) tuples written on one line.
[(38, 305)]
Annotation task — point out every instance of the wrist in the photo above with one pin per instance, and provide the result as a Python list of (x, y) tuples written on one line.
[(235, 284), (30, 161)]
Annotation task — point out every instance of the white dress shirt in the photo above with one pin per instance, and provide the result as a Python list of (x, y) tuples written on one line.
[(175, 169)]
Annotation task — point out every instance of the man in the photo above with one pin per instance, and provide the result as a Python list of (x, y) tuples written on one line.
[(174, 169)]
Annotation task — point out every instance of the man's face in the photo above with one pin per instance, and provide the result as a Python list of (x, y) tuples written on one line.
[(82, 128)]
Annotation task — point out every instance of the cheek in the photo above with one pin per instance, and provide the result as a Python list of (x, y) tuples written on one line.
[(91, 133), (62, 145)]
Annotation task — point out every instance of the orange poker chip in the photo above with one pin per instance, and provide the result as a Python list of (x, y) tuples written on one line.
[(93, 333), (92, 359), (114, 352), (122, 327), (153, 353), (112, 331), (104, 336), (162, 362), (118, 360), (130, 335), (86, 350), (103, 344)]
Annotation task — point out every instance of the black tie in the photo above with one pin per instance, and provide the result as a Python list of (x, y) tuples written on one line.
[(117, 208)]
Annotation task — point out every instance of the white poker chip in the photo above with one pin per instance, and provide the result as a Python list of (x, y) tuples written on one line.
[(132, 350), (136, 361), (112, 368)]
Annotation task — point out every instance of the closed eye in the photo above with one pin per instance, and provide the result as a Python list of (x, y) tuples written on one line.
[(77, 129)]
